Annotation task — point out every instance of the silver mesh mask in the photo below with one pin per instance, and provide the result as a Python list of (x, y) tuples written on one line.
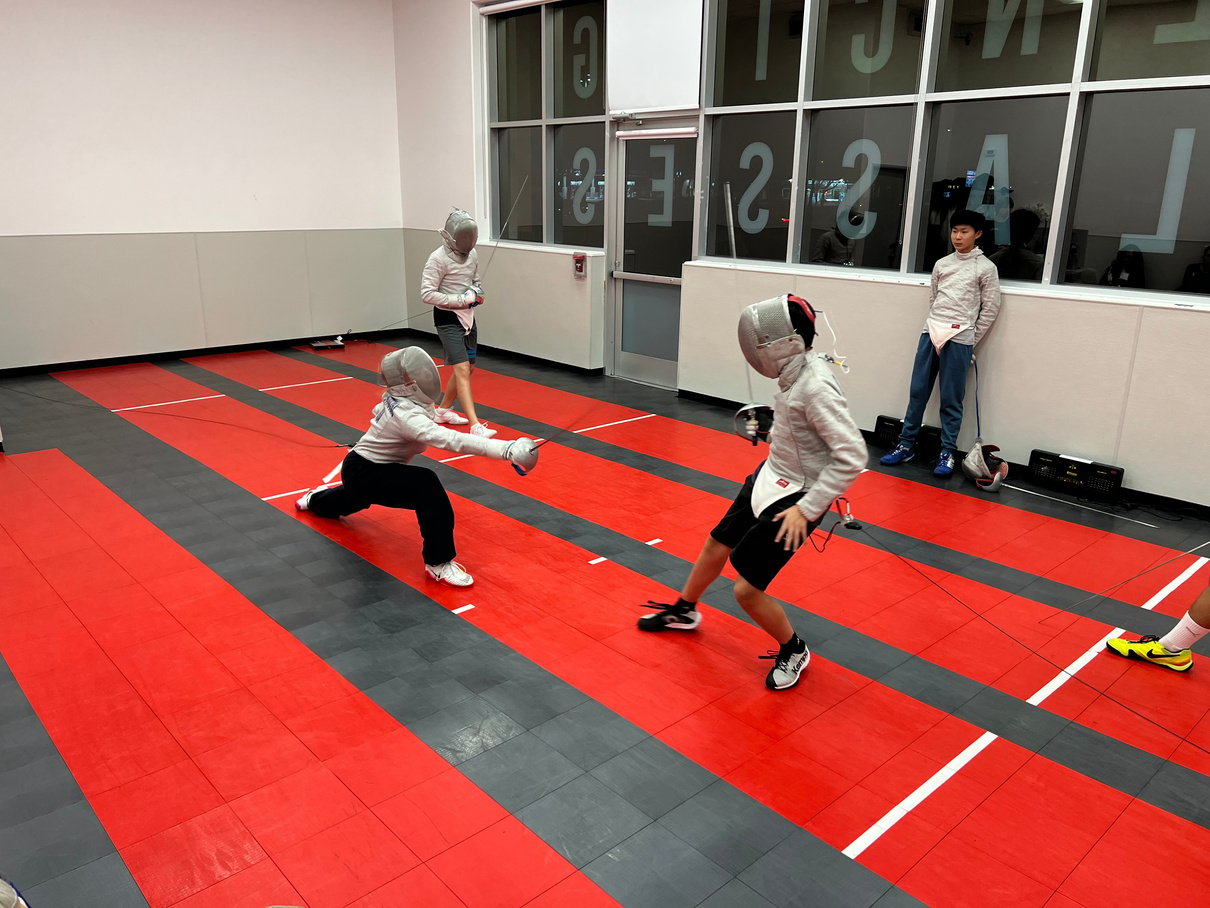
[(461, 233), (767, 336), (411, 373), (983, 466)]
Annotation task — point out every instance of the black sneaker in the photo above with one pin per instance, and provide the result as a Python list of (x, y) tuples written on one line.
[(670, 618), (788, 665)]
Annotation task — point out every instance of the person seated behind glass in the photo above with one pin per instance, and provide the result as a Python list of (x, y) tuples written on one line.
[(1197, 275), (1017, 262), (1126, 269), (834, 248)]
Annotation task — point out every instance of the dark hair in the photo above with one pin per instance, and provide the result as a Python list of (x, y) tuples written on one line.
[(971, 219), (802, 317)]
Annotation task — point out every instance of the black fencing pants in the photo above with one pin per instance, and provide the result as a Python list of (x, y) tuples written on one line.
[(394, 485)]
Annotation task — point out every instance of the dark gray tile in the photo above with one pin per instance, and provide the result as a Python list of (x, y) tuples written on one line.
[(36, 788), (653, 777), (487, 664), (1011, 718), (105, 883), (520, 771), (52, 844), (583, 819), (465, 729), (22, 740), (590, 734), (534, 701), (803, 870), (930, 683), (897, 898), (417, 693), (728, 826), (736, 895), (1180, 791), (655, 869)]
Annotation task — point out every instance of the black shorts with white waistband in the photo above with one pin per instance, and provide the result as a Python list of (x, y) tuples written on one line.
[(755, 554), (457, 344)]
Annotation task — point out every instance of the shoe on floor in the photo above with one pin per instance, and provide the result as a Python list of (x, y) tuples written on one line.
[(788, 666), (899, 454), (450, 572), (304, 503), (448, 417), (1149, 650), (481, 429), (945, 464), (670, 618)]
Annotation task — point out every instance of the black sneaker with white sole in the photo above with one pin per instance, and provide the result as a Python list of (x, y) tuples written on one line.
[(788, 666), (670, 618)]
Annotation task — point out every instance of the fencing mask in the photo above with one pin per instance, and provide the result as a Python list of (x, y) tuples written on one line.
[(984, 467), (411, 372), (460, 234), (774, 331)]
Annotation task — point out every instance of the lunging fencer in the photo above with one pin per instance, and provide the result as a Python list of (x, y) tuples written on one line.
[(450, 284), (379, 470), (815, 453)]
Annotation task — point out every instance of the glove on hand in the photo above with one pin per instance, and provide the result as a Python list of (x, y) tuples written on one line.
[(523, 453)]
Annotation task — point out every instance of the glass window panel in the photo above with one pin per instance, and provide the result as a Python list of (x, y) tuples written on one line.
[(757, 51), (579, 59), (658, 209), (751, 156), (519, 184), (997, 158), (868, 49), (651, 319), (518, 65), (1007, 42), (1140, 217), (578, 191), (857, 172), (1159, 38)]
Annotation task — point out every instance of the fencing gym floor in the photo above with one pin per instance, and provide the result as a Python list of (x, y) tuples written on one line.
[(208, 699)]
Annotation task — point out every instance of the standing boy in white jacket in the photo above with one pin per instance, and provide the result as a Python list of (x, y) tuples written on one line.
[(965, 302), (450, 284), (815, 453)]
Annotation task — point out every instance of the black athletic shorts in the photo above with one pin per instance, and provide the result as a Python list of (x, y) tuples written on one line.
[(754, 554)]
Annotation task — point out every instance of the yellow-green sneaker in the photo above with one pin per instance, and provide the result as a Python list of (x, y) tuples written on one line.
[(1149, 650)]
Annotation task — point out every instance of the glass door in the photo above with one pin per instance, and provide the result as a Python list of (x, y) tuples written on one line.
[(652, 239)]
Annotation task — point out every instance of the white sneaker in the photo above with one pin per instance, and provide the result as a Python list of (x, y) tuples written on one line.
[(788, 666), (451, 572), (304, 503), (448, 417), (481, 429)]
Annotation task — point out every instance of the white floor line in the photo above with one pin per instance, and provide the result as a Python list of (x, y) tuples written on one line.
[(904, 807), (459, 457), (167, 403), (303, 384), (1084, 506), (606, 425), (284, 495), (463, 608), (653, 541), (598, 560), (335, 471)]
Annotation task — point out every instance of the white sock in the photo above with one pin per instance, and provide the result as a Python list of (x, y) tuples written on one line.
[(1184, 635)]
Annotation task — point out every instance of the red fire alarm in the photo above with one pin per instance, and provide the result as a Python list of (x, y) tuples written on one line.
[(579, 265)]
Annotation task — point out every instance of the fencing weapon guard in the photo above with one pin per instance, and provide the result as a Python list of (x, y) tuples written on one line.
[(411, 372), (523, 453), (754, 422)]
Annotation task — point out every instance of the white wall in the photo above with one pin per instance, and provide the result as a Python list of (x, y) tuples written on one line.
[(435, 61), (1116, 383), (142, 116)]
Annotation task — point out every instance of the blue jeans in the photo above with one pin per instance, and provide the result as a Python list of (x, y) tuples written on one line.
[(952, 363)]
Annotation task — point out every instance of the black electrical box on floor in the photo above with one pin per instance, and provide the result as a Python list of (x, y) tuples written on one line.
[(887, 430), (1079, 477)]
